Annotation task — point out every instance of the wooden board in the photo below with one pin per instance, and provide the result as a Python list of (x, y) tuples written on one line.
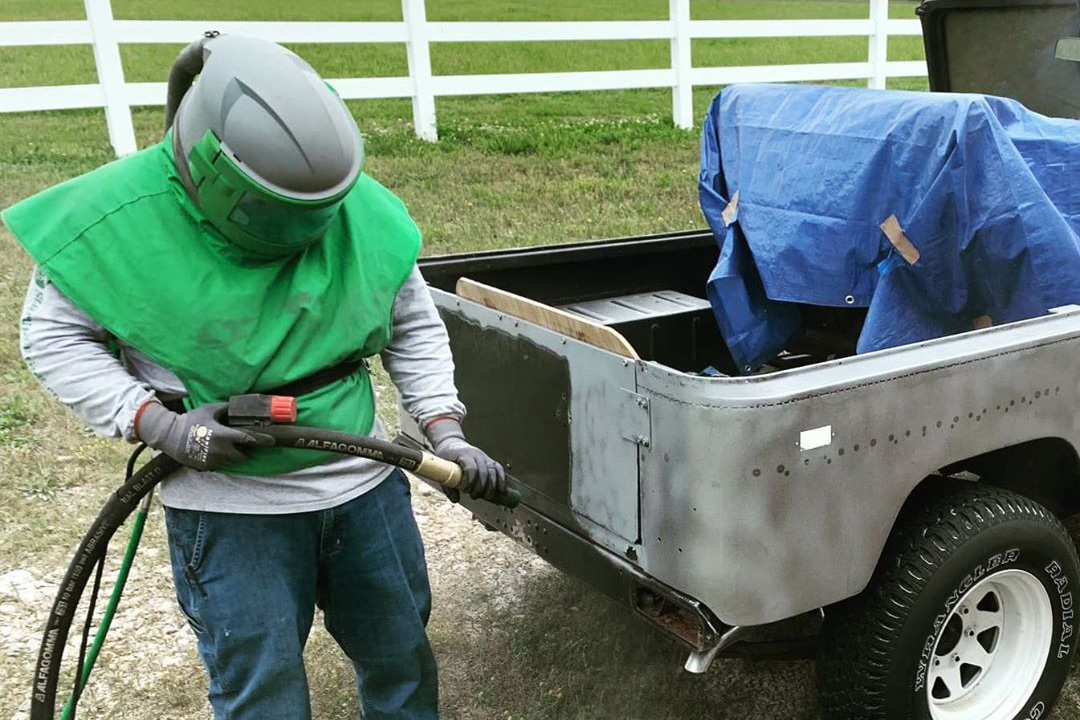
[(546, 316)]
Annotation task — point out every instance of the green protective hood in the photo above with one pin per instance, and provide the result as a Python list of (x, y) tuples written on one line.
[(128, 246)]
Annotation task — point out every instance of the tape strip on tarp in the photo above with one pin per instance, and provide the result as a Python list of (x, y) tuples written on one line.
[(893, 231), (731, 212)]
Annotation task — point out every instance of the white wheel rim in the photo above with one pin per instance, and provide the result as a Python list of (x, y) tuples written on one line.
[(991, 651)]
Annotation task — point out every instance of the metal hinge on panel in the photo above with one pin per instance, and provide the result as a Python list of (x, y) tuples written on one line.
[(633, 418)]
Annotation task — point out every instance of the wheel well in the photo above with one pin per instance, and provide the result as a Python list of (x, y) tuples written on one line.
[(1046, 470)]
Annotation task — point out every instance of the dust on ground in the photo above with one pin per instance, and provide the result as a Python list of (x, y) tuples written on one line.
[(515, 639)]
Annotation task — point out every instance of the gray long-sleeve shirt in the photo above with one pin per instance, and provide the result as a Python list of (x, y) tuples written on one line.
[(69, 354)]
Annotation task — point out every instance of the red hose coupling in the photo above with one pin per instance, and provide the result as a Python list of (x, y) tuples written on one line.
[(282, 409)]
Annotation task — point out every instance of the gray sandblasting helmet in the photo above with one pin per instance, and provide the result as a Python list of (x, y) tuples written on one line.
[(265, 148)]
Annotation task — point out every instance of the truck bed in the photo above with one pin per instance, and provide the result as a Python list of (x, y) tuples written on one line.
[(649, 289), (706, 501)]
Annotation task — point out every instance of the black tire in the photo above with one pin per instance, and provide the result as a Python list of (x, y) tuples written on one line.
[(880, 648)]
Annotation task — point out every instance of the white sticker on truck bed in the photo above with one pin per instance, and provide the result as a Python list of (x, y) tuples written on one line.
[(818, 437)]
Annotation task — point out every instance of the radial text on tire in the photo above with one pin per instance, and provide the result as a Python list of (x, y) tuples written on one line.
[(969, 615)]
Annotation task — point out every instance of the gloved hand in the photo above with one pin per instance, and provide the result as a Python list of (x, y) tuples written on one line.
[(481, 476), (196, 438)]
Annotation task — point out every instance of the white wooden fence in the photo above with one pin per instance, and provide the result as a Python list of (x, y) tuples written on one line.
[(111, 92)]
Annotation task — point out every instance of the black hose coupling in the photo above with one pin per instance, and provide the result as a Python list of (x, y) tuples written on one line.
[(254, 410)]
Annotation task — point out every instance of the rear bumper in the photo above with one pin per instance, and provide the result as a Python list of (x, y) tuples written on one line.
[(679, 615)]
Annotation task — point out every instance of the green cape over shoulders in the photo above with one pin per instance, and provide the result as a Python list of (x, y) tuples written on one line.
[(128, 246)]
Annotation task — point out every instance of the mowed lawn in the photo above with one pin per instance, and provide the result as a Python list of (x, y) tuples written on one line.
[(74, 64), (515, 640)]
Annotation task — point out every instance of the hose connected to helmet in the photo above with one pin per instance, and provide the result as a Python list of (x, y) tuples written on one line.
[(186, 67), (188, 64)]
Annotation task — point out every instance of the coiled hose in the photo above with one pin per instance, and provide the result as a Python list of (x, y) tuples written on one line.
[(90, 555)]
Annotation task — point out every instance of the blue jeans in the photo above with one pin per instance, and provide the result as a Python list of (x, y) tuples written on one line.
[(249, 584)]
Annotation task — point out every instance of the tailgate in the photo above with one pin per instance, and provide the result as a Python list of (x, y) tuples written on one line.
[(562, 415), (551, 390)]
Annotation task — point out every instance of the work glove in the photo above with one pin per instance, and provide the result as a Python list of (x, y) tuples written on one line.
[(481, 477), (197, 438)]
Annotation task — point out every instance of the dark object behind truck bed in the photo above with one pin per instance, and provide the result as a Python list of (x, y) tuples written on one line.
[(1004, 48)]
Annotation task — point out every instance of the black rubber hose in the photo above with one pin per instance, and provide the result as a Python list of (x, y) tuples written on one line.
[(90, 551), (126, 499), (383, 451), (309, 438)]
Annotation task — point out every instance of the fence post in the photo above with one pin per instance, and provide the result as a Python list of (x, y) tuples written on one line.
[(110, 72), (423, 101), (682, 94), (879, 43)]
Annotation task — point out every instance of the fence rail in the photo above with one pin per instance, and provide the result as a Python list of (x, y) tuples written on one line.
[(105, 34)]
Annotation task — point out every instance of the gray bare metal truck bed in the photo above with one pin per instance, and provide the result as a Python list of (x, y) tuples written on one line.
[(909, 497)]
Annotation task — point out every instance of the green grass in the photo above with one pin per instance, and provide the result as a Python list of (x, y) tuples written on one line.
[(515, 639), (22, 67), (15, 417)]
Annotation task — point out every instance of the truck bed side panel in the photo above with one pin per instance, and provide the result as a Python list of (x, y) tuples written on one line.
[(561, 413), (738, 515)]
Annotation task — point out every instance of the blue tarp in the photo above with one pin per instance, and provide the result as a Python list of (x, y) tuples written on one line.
[(987, 192)]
